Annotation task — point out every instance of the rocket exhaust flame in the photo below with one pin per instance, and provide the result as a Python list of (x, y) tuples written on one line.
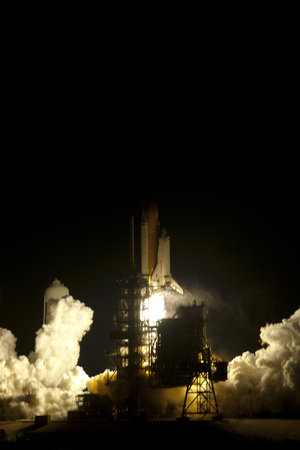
[(154, 308)]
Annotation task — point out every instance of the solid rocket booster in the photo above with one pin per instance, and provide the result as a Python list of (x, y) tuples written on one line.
[(155, 250)]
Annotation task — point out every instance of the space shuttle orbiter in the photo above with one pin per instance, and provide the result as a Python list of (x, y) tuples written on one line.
[(155, 251)]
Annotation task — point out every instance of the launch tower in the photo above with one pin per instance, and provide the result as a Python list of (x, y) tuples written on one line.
[(130, 332), (168, 352)]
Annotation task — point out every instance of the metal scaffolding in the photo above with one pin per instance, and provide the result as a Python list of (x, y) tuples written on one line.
[(130, 337), (200, 398), (185, 359), (129, 333)]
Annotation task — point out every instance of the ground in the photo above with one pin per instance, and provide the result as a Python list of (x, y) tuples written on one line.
[(238, 433)]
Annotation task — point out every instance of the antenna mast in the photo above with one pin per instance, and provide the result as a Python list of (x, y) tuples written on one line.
[(132, 242)]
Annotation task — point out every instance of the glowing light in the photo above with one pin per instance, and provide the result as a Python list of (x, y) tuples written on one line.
[(156, 308), (99, 383), (152, 310)]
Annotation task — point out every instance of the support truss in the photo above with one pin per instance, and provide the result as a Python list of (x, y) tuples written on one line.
[(200, 398)]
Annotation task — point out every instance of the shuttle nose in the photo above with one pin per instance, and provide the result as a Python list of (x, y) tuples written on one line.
[(150, 210)]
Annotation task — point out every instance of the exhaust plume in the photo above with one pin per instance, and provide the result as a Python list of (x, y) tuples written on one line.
[(267, 381), (48, 380)]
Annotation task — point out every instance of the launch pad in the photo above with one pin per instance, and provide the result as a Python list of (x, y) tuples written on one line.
[(166, 352), (152, 351)]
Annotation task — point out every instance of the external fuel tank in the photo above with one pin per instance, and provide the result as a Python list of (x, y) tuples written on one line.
[(149, 237)]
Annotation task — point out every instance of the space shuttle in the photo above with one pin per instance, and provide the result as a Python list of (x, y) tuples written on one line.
[(155, 251)]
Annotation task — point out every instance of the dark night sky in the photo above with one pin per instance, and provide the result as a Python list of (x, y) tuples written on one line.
[(88, 132)]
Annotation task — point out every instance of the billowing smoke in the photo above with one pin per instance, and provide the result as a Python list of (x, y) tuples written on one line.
[(48, 380), (267, 381), (100, 384), (158, 402), (263, 382)]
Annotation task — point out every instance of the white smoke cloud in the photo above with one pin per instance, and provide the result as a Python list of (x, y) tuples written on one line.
[(175, 301), (8, 344), (267, 381), (47, 381)]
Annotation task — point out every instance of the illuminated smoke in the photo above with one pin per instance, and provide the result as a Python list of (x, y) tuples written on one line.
[(99, 384), (8, 344), (267, 381), (48, 380)]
